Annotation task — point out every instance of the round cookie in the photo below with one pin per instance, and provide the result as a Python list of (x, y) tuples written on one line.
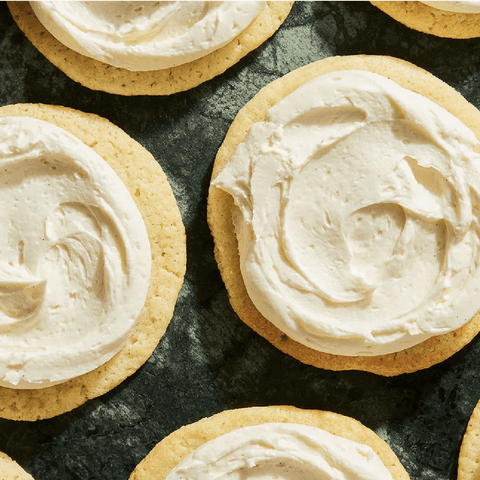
[(172, 449), (220, 208), (149, 187), (100, 76), (11, 470), (427, 19), (469, 458)]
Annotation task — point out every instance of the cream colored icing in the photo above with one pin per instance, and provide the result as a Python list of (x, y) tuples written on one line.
[(143, 36), (74, 256), (470, 6), (358, 218), (282, 451)]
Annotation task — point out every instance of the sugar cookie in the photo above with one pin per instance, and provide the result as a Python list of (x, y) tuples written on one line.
[(468, 460), (175, 447), (220, 208), (154, 198), (101, 76), (11, 470), (428, 19)]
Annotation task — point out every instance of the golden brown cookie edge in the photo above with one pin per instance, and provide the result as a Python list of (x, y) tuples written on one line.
[(469, 457)]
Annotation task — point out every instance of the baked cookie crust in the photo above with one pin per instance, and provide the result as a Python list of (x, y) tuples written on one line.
[(176, 446), (220, 208), (11, 470), (149, 187), (101, 76), (426, 19), (469, 458)]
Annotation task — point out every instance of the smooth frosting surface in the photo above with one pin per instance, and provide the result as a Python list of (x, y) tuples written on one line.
[(74, 256), (469, 6), (358, 218), (283, 451), (143, 36)]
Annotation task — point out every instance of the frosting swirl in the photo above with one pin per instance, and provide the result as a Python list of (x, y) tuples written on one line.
[(142, 36), (358, 219), (281, 450), (74, 256)]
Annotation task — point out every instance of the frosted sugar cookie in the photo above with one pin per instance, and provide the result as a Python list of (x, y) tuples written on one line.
[(443, 19), (11, 470), (469, 459), (269, 441), (344, 248), (147, 48), (91, 263)]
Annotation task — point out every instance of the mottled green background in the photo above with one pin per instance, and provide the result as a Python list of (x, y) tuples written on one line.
[(209, 361)]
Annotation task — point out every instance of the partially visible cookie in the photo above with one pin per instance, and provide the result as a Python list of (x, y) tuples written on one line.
[(427, 19), (172, 449), (11, 470), (469, 458), (151, 191), (100, 76), (221, 207)]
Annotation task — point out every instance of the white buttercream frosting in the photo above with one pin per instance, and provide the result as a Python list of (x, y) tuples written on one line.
[(470, 6), (74, 256), (143, 36), (281, 451), (358, 218)]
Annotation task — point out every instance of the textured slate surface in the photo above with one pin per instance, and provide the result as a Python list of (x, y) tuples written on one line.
[(209, 360)]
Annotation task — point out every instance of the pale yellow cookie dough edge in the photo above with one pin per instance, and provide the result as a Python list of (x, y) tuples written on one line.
[(469, 458), (220, 206), (426, 19), (176, 446), (152, 193), (11, 470), (100, 76)]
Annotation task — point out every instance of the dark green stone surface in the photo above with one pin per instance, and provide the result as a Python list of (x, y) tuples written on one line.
[(209, 361)]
